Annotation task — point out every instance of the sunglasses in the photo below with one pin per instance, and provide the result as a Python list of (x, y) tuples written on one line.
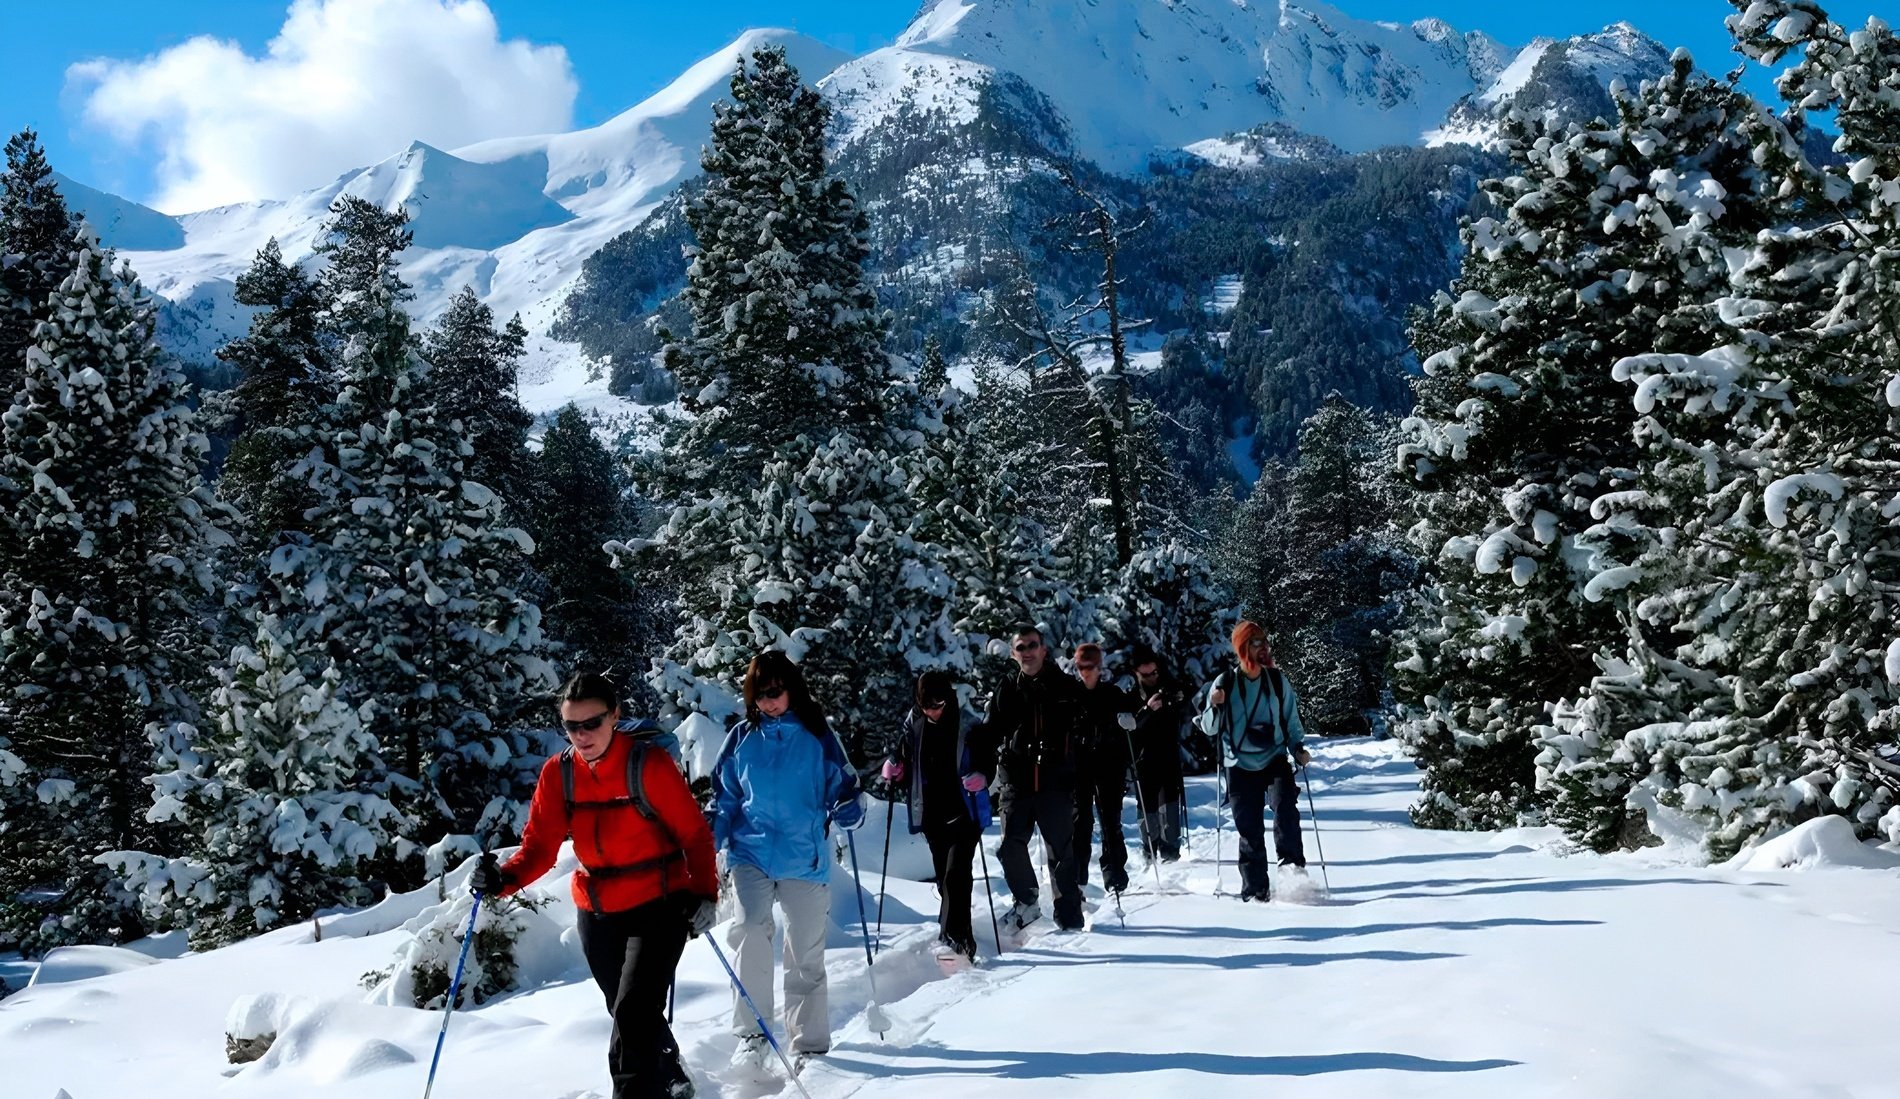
[(935, 704), (1028, 646), (772, 692), (1087, 667), (585, 725)]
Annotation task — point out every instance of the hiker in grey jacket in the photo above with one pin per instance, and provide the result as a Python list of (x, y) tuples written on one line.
[(1253, 714)]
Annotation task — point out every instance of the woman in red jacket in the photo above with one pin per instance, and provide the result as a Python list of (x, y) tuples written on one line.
[(647, 879)]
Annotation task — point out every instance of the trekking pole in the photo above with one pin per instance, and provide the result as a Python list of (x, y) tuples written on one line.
[(1220, 801), (873, 1014), (1306, 780), (884, 871), (455, 989), (765, 1028), (996, 930), (1150, 843)]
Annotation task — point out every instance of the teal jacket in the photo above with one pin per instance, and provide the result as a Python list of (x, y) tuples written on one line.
[(1269, 704)]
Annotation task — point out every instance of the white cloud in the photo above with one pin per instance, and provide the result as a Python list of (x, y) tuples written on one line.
[(344, 84)]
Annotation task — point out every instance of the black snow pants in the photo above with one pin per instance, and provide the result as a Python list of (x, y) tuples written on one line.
[(1250, 792), (632, 955)]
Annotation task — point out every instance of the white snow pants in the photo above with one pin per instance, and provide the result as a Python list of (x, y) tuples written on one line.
[(807, 906)]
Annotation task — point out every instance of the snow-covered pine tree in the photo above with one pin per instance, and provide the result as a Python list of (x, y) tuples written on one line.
[(407, 576), (1170, 599), (473, 372), (791, 528), (103, 578), (1520, 429), (1321, 563), (281, 801), (581, 502), (1693, 197), (36, 251), (787, 336), (968, 488), (284, 377), (1768, 552)]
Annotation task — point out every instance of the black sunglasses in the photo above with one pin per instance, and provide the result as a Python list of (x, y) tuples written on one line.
[(1028, 646), (771, 692), (935, 704), (585, 725)]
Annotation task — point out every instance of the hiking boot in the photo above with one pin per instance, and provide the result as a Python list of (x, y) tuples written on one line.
[(805, 1057)]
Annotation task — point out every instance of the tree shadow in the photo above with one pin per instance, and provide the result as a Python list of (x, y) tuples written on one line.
[(1034, 958), (1322, 934), (1052, 1065), (1449, 856), (1559, 885), (1427, 883)]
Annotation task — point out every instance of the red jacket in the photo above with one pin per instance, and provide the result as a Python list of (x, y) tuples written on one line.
[(674, 852)]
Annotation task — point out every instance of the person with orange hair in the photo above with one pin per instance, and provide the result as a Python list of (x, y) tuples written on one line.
[(1253, 714)]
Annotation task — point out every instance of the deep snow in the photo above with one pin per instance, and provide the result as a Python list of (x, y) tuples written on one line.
[(1466, 965)]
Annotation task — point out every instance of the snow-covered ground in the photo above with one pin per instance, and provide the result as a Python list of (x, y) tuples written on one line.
[(1466, 965)]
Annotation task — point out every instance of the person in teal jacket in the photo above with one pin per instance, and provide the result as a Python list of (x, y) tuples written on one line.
[(781, 782), (1253, 714)]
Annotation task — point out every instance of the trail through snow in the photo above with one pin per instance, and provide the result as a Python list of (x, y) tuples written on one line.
[(1492, 964)]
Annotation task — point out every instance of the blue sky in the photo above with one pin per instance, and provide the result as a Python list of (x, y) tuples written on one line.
[(618, 52)]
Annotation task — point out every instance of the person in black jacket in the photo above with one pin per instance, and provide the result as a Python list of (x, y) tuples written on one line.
[(1159, 785), (1101, 769), (945, 762), (1032, 716)]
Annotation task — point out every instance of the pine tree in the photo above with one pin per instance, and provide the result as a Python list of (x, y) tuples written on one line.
[(284, 377), (406, 576), (106, 570), (1319, 562), (1521, 430), (582, 502), (1762, 539), (282, 802), (473, 372), (791, 527), (786, 334), (36, 251)]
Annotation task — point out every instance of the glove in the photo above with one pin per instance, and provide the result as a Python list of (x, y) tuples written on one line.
[(848, 814), (1126, 721), (487, 878), (974, 782), (893, 771), (700, 912), (1302, 756)]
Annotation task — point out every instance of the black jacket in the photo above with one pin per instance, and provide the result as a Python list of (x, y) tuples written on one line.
[(1158, 738), (933, 781), (1033, 723), (1103, 754)]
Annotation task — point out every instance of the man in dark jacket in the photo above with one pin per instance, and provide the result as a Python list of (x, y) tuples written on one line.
[(1032, 717), (1159, 786), (1101, 769)]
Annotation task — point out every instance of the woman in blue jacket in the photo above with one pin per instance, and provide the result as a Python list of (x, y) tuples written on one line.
[(781, 781)]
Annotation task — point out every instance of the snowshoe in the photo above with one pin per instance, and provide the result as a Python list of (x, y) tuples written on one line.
[(953, 957), (802, 1059), (1021, 915), (753, 1057)]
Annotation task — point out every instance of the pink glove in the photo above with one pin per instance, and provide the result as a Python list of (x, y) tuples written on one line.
[(974, 782), (893, 771)]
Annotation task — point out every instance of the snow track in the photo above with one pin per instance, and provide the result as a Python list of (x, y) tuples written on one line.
[(1486, 964)]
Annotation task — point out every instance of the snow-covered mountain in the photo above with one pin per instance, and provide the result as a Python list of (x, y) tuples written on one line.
[(1134, 79), (1123, 83), (514, 218)]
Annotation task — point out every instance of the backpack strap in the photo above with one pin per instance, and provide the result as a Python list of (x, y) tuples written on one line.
[(637, 782), (567, 787)]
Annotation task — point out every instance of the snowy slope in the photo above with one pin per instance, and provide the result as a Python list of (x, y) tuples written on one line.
[(1136, 79), (120, 222), (1445, 964), (513, 218)]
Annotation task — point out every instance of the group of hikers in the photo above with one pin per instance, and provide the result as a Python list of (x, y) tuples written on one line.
[(1051, 751)]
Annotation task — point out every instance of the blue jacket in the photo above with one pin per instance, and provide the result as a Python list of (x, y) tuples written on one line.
[(777, 788)]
